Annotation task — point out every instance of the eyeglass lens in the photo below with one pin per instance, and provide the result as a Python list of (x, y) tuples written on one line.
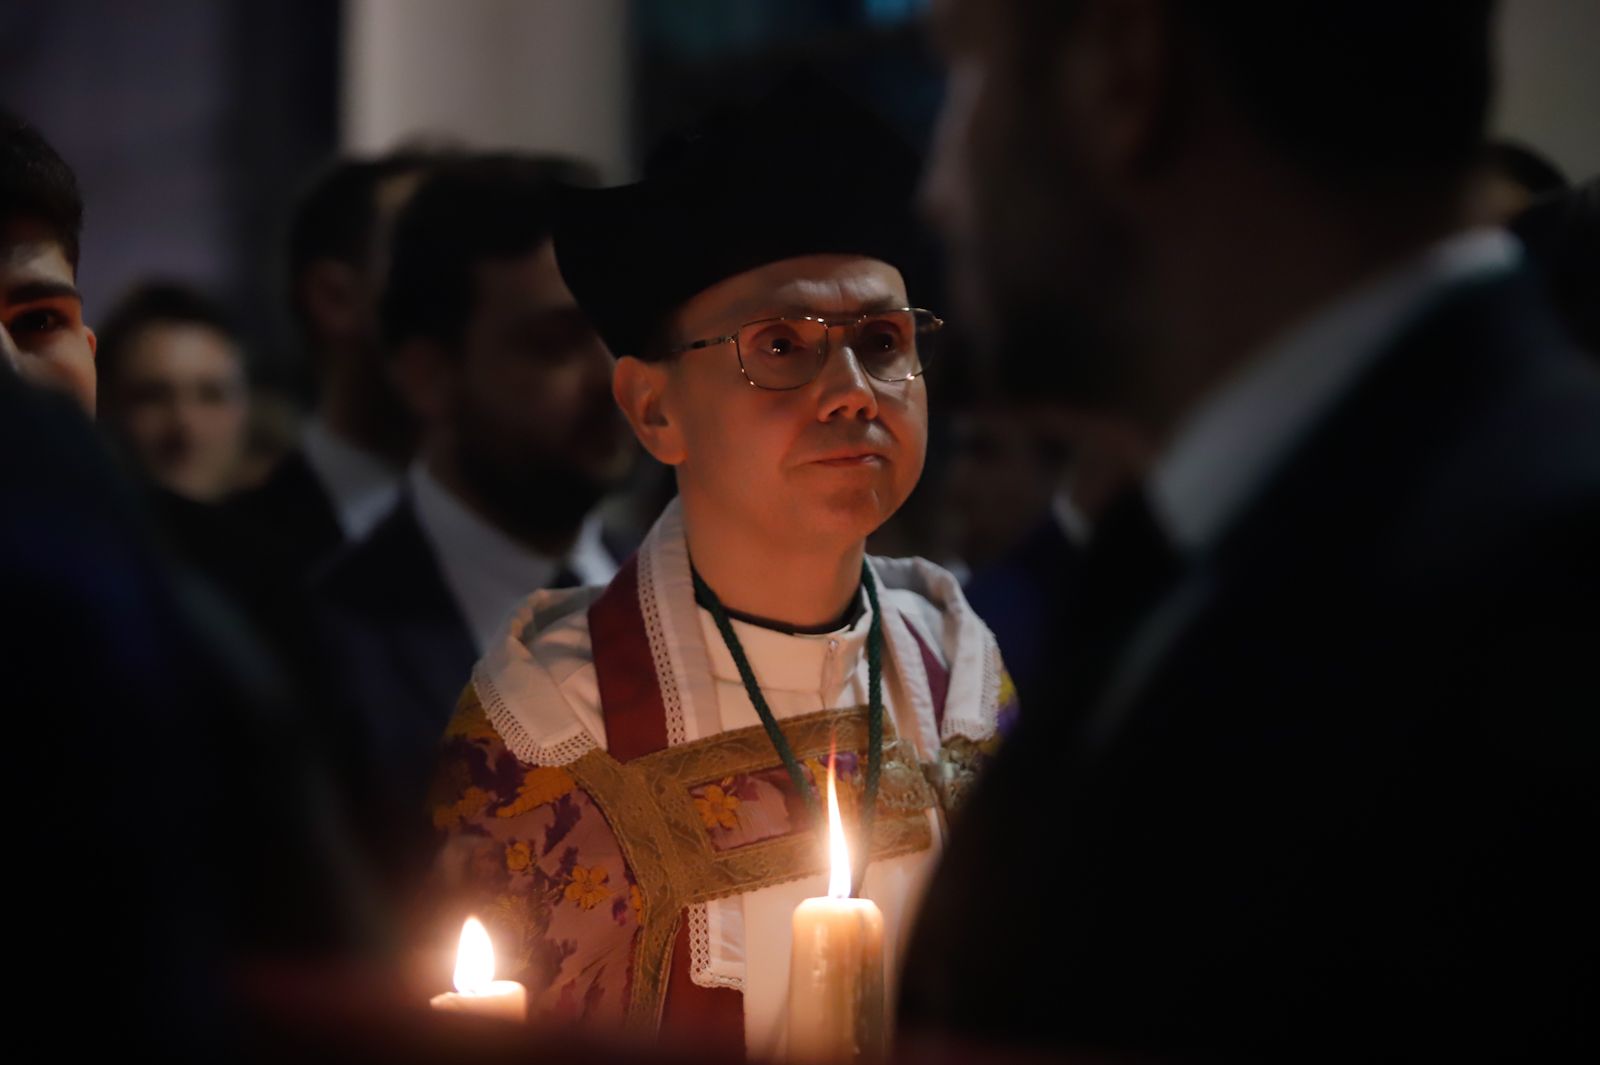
[(784, 353)]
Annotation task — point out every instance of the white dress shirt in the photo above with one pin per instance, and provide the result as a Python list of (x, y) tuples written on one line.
[(488, 573), (1228, 447), (362, 486)]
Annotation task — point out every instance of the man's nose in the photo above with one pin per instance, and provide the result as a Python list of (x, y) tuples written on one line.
[(846, 391)]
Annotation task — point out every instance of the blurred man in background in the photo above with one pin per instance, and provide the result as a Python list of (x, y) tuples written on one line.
[(41, 219), (1322, 746), (174, 392), (346, 474), (520, 442)]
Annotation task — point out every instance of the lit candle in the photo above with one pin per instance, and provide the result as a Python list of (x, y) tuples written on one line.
[(836, 995), (477, 991)]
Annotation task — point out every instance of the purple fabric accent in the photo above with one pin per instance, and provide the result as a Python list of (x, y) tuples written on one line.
[(1006, 720), (938, 675)]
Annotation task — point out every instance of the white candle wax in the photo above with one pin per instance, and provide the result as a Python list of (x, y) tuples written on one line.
[(837, 1011), (505, 999), (836, 997)]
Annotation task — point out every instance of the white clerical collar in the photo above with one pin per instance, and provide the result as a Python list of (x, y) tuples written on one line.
[(1227, 447), (782, 661), (362, 487), (488, 573)]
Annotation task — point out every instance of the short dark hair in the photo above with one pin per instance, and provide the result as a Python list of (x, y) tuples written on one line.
[(1358, 86), (36, 183), (152, 303), (467, 212), (337, 215), (1353, 88)]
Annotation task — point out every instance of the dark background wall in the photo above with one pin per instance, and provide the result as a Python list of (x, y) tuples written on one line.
[(190, 123)]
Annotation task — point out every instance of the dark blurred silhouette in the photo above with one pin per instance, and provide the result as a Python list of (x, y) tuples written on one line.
[(1562, 235), (1035, 476), (520, 442), (174, 391), (209, 774), (177, 825), (346, 474), (1316, 778), (1510, 177)]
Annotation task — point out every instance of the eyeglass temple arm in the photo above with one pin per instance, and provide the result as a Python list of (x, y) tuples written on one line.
[(708, 342)]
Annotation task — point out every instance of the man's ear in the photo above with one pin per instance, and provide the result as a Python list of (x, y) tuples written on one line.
[(640, 389), (334, 297), (425, 375)]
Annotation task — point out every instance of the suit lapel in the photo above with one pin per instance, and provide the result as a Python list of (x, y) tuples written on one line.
[(1338, 495), (428, 638)]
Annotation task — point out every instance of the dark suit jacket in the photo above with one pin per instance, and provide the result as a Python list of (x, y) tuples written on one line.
[(292, 510), (1018, 597), (144, 717), (1352, 809), (398, 648)]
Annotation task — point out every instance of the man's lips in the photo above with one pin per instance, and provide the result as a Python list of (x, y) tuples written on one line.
[(851, 457)]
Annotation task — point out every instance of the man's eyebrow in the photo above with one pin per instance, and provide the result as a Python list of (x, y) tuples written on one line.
[(39, 291)]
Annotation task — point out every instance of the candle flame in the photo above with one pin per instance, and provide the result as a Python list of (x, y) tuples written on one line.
[(839, 871), (474, 959)]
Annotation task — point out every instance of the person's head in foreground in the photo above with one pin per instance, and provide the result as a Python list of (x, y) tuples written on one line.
[(41, 312), (1139, 193), (768, 347), (173, 389)]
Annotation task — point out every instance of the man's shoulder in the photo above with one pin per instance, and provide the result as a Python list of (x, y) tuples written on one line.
[(292, 489), (924, 592), (391, 566), (537, 678), (1479, 430), (1521, 474), (553, 625), (293, 507)]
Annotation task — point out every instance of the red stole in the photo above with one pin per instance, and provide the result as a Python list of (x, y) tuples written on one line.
[(636, 725)]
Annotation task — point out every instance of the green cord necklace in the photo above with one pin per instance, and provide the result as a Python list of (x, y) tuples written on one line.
[(780, 742)]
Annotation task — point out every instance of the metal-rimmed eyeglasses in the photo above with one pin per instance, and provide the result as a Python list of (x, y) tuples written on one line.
[(780, 354)]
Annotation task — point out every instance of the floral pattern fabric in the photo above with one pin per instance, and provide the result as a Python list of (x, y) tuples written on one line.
[(534, 857), (531, 854)]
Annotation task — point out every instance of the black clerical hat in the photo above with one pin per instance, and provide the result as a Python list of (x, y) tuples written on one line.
[(806, 171)]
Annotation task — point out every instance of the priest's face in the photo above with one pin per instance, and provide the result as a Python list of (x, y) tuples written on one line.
[(822, 464)]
